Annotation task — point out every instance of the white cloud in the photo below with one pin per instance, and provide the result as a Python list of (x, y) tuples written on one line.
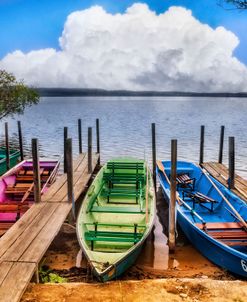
[(137, 50)]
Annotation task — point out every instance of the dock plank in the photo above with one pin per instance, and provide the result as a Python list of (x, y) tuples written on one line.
[(25, 243), (16, 280), (220, 172), (42, 241), (22, 241)]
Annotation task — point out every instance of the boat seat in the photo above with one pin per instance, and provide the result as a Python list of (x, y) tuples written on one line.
[(184, 181), (125, 166), (121, 193), (4, 226), (107, 236), (198, 197), (230, 233), (122, 210), (13, 207)]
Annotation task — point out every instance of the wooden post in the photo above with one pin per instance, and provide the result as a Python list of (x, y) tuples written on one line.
[(69, 166), (89, 154), (20, 140), (202, 145), (79, 136), (65, 136), (172, 206), (222, 132), (98, 139), (36, 171), (154, 154), (231, 162), (7, 146)]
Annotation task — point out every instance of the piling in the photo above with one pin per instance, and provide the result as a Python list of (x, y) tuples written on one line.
[(89, 150), (7, 146), (69, 166), (98, 139), (231, 162), (36, 171), (79, 136), (172, 205), (154, 154), (222, 132), (65, 136), (202, 145), (20, 140)]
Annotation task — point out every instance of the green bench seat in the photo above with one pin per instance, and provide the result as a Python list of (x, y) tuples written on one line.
[(121, 193), (120, 237), (125, 165), (122, 210)]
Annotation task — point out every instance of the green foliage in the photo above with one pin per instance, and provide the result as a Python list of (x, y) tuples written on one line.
[(46, 276), (14, 95)]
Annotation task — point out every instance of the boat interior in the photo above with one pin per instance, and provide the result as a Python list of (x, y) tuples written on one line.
[(16, 191), (115, 212), (200, 194)]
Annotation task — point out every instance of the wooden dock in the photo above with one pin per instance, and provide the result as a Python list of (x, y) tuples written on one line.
[(220, 172), (25, 243)]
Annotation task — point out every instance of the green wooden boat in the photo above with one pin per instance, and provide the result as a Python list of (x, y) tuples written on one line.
[(116, 216), (13, 157)]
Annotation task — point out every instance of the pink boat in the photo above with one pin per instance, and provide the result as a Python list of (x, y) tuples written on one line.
[(16, 189)]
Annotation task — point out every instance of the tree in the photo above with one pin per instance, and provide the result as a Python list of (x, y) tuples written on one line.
[(14, 95), (239, 4)]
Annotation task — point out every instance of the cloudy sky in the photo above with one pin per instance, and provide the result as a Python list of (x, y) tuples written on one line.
[(138, 45)]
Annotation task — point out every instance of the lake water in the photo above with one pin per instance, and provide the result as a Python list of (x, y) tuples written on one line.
[(125, 125)]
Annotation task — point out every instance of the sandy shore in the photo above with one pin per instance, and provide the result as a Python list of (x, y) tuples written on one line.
[(173, 290)]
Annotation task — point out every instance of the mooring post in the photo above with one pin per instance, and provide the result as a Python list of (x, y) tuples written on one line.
[(7, 145), (222, 132), (172, 206), (154, 154), (89, 154), (202, 144), (98, 139), (69, 166), (231, 162), (36, 171), (65, 136), (79, 136), (20, 140)]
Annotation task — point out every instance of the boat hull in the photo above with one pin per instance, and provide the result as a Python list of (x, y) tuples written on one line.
[(111, 232), (13, 160), (217, 252)]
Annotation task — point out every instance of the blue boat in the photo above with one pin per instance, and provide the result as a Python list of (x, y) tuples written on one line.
[(211, 216)]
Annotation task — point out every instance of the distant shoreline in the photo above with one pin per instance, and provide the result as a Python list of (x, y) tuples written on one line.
[(55, 92)]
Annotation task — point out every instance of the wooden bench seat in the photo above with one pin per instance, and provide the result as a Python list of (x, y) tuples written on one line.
[(122, 210), (121, 193), (13, 207), (230, 233), (198, 197), (125, 166), (185, 181), (105, 236), (4, 226), (221, 225)]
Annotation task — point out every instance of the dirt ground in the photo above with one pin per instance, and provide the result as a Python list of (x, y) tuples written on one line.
[(173, 290), (157, 276)]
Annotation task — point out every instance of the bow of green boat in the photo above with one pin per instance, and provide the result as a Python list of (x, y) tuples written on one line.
[(116, 215)]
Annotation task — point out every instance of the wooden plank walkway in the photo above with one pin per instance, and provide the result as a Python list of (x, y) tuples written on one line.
[(25, 243), (220, 172)]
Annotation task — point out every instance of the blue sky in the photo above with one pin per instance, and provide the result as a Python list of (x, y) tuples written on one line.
[(31, 24)]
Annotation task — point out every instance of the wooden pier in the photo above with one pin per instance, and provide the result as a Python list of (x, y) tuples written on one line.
[(25, 243), (221, 173)]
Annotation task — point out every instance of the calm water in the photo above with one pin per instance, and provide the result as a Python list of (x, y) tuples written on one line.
[(126, 125)]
